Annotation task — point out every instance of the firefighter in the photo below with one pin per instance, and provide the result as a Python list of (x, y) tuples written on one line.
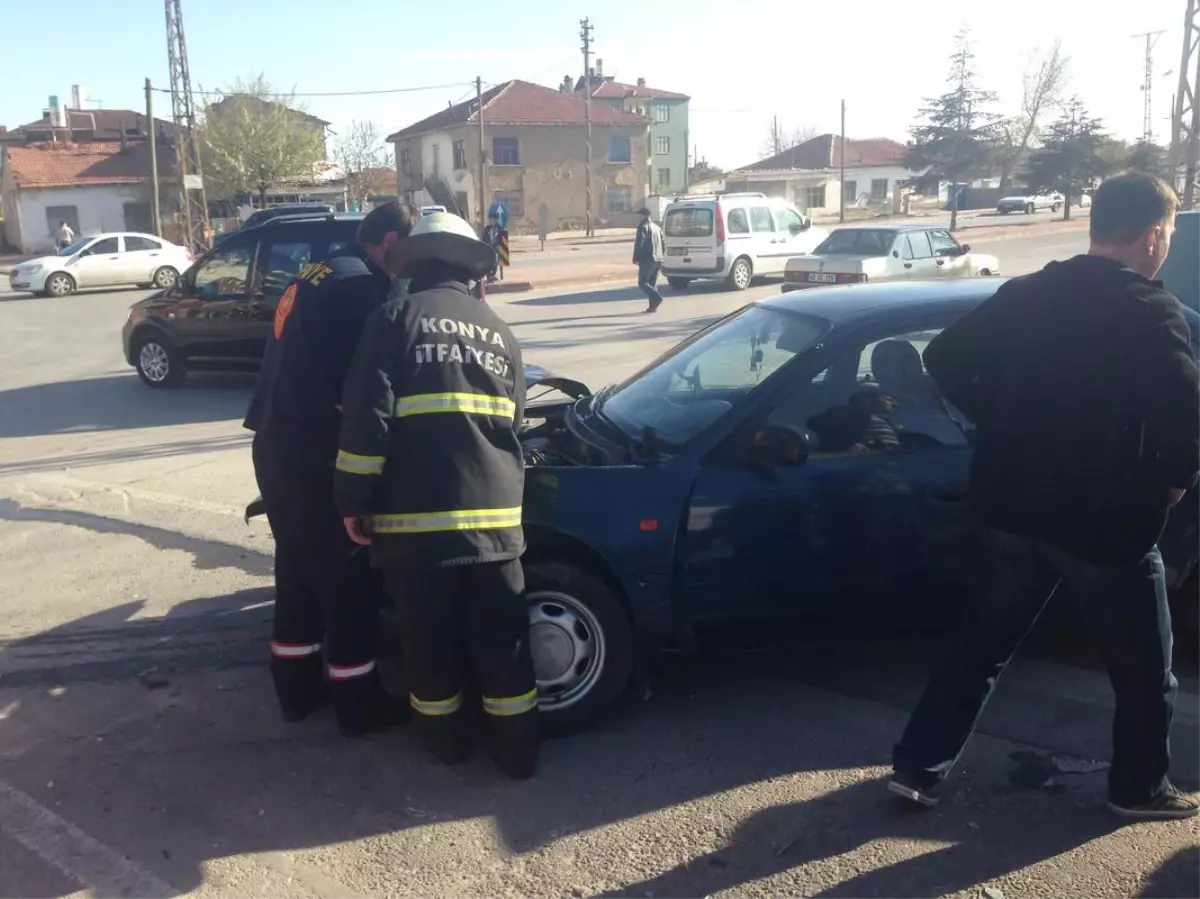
[(430, 476), (325, 601)]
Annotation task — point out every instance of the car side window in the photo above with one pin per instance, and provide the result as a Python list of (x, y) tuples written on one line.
[(107, 247), (916, 245), (134, 243), (875, 397), (760, 219), (224, 274), (736, 222), (944, 244), (786, 219), (279, 262)]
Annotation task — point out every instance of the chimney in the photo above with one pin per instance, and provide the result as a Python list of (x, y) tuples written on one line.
[(77, 96), (641, 82), (599, 67), (567, 85)]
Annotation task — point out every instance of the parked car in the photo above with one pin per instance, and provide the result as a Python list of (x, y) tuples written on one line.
[(262, 216), (858, 255), (1029, 202), (734, 237), (122, 259), (723, 497)]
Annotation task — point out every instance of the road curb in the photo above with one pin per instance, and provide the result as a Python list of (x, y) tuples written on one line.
[(507, 287)]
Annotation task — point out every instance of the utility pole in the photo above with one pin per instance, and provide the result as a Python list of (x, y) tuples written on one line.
[(775, 141), (483, 203), (842, 169), (192, 203), (155, 214), (585, 34), (1151, 38), (1184, 152)]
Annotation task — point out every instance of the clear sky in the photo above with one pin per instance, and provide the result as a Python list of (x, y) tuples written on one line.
[(741, 62)]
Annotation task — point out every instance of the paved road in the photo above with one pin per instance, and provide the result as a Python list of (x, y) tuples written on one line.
[(139, 755)]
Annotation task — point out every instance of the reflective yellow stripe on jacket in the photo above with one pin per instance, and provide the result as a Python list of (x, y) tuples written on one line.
[(353, 463), (452, 520), (507, 706), (436, 707), (466, 403)]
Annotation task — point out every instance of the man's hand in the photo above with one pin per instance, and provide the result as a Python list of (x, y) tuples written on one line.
[(1174, 495), (354, 529)]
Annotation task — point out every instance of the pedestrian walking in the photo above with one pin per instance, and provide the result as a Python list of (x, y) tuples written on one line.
[(648, 257), (65, 236), (492, 234), (430, 475), (1082, 384), (325, 601)]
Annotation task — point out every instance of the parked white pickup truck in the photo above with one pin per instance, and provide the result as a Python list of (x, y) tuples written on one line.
[(1029, 202)]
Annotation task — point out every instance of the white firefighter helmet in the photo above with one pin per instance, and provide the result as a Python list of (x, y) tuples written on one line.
[(444, 237)]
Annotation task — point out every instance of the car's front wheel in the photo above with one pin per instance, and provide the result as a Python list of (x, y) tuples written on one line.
[(582, 644), (1030, 209), (60, 284), (1054, 207), (165, 277), (158, 363)]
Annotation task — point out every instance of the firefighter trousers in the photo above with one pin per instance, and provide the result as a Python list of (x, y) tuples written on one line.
[(469, 622), (326, 595)]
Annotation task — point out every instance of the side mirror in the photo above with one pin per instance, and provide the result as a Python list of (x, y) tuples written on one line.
[(966, 248), (775, 445), (795, 229)]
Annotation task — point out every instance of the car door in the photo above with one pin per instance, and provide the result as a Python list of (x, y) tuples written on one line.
[(141, 257), (791, 235), (916, 256), (282, 253), (948, 253), (98, 264), (211, 312), (767, 260), (870, 527)]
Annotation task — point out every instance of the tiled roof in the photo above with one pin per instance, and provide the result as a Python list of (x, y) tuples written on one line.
[(823, 152), (521, 103), (616, 90), (101, 120), (70, 165)]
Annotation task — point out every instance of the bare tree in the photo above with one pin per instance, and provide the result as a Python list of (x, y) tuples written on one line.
[(1042, 86), (781, 137), (254, 138), (361, 154)]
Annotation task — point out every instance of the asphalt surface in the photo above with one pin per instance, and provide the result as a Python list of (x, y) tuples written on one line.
[(141, 755)]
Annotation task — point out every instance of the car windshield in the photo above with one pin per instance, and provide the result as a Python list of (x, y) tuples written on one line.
[(858, 241), (688, 221), (75, 246), (690, 387)]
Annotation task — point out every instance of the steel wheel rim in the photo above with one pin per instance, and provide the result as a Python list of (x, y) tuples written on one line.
[(154, 362), (568, 648), (60, 286), (741, 274)]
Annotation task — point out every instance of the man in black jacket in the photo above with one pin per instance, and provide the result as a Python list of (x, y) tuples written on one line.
[(430, 474), (1081, 381), (648, 257), (325, 601)]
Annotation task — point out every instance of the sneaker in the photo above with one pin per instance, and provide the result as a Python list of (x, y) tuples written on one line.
[(915, 789), (1171, 803)]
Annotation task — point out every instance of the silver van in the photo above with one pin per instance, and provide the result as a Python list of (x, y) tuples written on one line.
[(734, 237)]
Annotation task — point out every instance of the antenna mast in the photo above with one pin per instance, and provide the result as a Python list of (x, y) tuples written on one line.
[(193, 205)]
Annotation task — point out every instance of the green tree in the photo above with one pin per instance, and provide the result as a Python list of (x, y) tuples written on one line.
[(959, 134), (254, 138), (1070, 157), (1147, 157)]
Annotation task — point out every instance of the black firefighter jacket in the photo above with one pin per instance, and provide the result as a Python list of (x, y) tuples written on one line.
[(429, 450)]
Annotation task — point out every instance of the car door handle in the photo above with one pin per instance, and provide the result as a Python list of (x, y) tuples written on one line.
[(941, 262), (113, 258), (908, 265), (948, 493)]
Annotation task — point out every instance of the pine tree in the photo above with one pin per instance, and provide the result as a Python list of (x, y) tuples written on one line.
[(960, 134), (1070, 157), (1149, 158)]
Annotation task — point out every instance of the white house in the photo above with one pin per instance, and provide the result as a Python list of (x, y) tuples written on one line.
[(809, 174), (93, 187)]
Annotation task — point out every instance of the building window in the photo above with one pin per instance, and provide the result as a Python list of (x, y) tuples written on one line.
[(512, 200), (662, 112), (849, 191), (405, 162), (619, 150), (814, 197), (664, 177), (620, 198), (664, 146), (506, 151), (879, 188), (460, 154)]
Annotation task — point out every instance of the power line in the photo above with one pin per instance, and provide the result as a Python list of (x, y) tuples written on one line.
[(394, 90)]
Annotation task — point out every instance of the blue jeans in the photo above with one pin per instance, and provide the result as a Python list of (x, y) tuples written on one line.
[(1126, 611), (647, 279)]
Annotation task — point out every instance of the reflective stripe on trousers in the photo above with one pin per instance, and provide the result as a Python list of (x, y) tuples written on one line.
[(505, 706), (467, 403), (451, 520), (349, 672), (294, 650), (353, 463), (436, 707)]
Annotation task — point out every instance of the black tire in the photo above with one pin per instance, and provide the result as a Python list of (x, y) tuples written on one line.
[(165, 277), (158, 362), (1030, 209), (679, 283), (1055, 207), (740, 274), (559, 592), (1005, 211), (59, 284), (1185, 618), (985, 272)]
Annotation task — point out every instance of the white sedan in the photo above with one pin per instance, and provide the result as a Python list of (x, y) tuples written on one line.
[(855, 255), (103, 260)]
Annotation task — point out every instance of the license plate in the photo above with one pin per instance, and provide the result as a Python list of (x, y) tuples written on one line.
[(677, 251), (822, 278)]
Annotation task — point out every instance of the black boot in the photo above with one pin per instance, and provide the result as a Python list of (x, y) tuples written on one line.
[(363, 706), (299, 685), (446, 737), (513, 742)]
